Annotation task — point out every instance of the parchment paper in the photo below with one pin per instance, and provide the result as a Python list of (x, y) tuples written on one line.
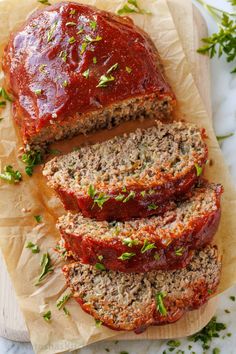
[(18, 226)]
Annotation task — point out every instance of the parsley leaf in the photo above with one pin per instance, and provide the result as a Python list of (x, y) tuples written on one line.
[(100, 266), (198, 169), (160, 304), (101, 199), (223, 137), (131, 195), (31, 159), (33, 247), (104, 80), (152, 207), (44, 2), (91, 191), (46, 267), (70, 24), (147, 246), (112, 68), (93, 24), (130, 242), (125, 256), (10, 175), (38, 218), (62, 301), (98, 323), (63, 55), (128, 69), (86, 73), (179, 252), (5, 95), (132, 7), (71, 40), (50, 33), (47, 316)]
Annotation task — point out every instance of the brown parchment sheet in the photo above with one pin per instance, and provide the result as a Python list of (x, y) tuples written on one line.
[(18, 227)]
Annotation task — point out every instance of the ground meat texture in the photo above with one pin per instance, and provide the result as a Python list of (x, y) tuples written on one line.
[(132, 302), (73, 68), (159, 242), (131, 175)]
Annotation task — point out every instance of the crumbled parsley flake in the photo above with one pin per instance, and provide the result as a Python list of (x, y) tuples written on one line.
[(131, 195), (42, 68), (152, 206), (151, 192), (209, 291), (83, 47), (50, 33), (61, 250), (98, 323), (216, 351), (147, 246), (210, 331), (38, 218), (44, 2), (198, 169), (38, 92), (229, 334), (86, 73), (93, 25), (89, 39), (62, 301), (100, 266), (124, 189), (112, 68), (120, 197), (156, 256), (179, 252), (33, 247), (173, 343), (223, 137), (31, 159), (104, 80), (71, 40), (143, 193), (160, 304), (91, 191), (5, 95), (125, 256), (131, 6), (2, 103), (100, 258), (232, 298), (63, 55), (94, 60), (130, 242), (65, 83), (54, 152), (70, 24), (101, 199), (128, 69), (72, 12), (47, 316), (81, 30), (10, 175), (46, 268), (66, 312)]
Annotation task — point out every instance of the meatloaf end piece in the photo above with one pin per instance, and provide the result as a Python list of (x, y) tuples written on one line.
[(131, 175), (73, 68), (160, 242), (132, 302)]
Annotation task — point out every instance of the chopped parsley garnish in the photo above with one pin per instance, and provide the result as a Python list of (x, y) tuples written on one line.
[(50, 33), (130, 242), (209, 291), (86, 73), (147, 246), (62, 301), (112, 68), (65, 83), (66, 312), (47, 316), (120, 197), (61, 250), (232, 298), (101, 199), (104, 80), (72, 40), (38, 92), (98, 323), (216, 351), (93, 24), (2, 104), (91, 191), (179, 252), (173, 343), (132, 6), (70, 24), (156, 256), (128, 69), (143, 193), (42, 68), (72, 12), (223, 137), (152, 207), (44, 2), (31, 159), (63, 55), (83, 47), (94, 60), (33, 247), (38, 218), (125, 256), (160, 304), (81, 30), (100, 258), (10, 175), (131, 195), (5, 95), (46, 267), (89, 39), (100, 266), (54, 152), (198, 169)]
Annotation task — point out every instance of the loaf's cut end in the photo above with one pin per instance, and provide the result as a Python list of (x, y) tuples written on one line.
[(132, 302)]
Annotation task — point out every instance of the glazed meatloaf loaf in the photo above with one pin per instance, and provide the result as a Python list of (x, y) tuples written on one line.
[(160, 242), (131, 175), (132, 302), (73, 68)]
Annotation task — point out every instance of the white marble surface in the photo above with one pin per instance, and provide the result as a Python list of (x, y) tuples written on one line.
[(224, 109)]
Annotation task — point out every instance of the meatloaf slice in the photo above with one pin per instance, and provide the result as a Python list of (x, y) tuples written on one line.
[(132, 302), (73, 68), (131, 175), (160, 242)]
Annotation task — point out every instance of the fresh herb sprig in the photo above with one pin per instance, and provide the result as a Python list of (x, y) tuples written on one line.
[(223, 41), (46, 268), (10, 175), (33, 247), (31, 159), (132, 6), (62, 301)]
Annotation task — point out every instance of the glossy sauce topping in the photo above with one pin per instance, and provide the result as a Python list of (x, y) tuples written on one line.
[(72, 58)]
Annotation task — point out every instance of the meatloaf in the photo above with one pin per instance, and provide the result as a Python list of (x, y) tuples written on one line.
[(132, 302), (131, 175), (160, 242), (73, 68)]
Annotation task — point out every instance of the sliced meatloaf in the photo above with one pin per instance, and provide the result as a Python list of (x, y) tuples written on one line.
[(131, 175), (160, 242), (73, 68), (132, 302)]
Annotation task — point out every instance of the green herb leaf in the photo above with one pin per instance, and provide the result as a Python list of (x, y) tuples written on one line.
[(112, 68), (93, 24), (46, 267), (54, 152), (86, 73), (130, 242), (3, 104), (216, 351), (5, 95), (31, 159), (173, 343), (147, 246), (131, 195), (38, 92), (143, 193), (38, 218), (100, 258), (72, 12), (104, 80), (89, 39), (198, 169), (101, 199), (62, 301), (100, 266), (44, 2), (70, 24), (91, 191), (94, 60), (42, 68), (128, 69), (232, 298), (33, 247), (125, 256), (83, 47), (98, 323), (63, 55), (81, 30), (179, 252), (223, 137), (156, 256), (152, 207), (47, 316), (50, 33), (71, 40), (10, 175), (120, 197), (132, 7), (160, 304), (67, 313)]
